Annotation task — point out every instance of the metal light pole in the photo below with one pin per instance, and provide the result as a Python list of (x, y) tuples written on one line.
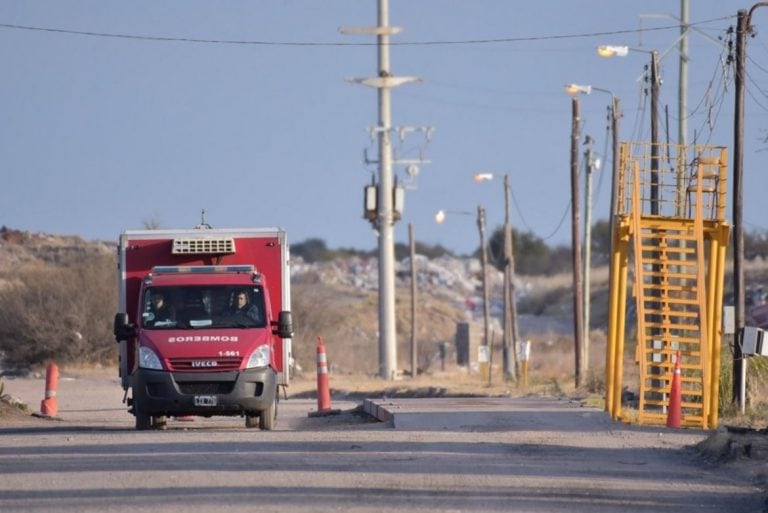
[(385, 219), (589, 165)]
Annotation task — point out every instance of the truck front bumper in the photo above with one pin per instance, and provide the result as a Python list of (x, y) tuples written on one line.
[(204, 393)]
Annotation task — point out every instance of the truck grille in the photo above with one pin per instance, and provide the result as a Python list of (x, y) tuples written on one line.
[(206, 388), (205, 364)]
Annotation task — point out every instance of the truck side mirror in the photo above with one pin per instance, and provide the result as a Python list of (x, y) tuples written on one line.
[(123, 330), (284, 325)]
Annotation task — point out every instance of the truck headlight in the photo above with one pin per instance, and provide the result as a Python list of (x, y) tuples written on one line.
[(148, 359), (259, 358)]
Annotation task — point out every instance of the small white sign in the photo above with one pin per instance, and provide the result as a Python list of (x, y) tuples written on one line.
[(525, 350), (729, 320)]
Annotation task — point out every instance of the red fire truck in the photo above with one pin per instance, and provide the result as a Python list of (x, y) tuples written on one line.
[(204, 323)]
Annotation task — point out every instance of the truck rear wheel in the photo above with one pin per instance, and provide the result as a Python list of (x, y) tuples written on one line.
[(268, 417)]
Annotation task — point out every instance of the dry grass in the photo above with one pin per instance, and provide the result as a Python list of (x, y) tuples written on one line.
[(551, 373)]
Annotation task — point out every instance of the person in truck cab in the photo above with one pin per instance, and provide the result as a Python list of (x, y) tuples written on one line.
[(243, 307), (160, 309)]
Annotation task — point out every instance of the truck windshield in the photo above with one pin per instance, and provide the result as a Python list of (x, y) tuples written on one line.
[(194, 307)]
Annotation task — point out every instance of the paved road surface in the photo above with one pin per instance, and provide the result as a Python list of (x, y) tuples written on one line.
[(534, 456)]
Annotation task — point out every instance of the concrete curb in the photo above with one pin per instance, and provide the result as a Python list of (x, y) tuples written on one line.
[(379, 411), (494, 413)]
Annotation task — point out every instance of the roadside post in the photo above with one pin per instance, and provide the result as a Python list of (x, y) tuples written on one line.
[(525, 354)]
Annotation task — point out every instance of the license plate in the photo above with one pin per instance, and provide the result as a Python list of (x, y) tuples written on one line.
[(205, 400)]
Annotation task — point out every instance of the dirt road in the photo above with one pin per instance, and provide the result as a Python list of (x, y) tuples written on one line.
[(93, 460)]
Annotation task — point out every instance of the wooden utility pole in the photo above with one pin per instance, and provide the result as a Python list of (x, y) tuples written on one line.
[(615, 205), (414, 349), (743, 27), (739, 364), (511, 335), (578, 299), (655, 157), (486, 292)]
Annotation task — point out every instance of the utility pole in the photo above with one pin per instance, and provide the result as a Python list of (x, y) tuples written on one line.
[(578, 300), (613, 220), (510, 335), (743, 27), (511, 370), (486, 295), (615, 115), (655, 133), (414, 349), (385, 219), (682, 85), (682, 102), (387, 328), (739, 363)]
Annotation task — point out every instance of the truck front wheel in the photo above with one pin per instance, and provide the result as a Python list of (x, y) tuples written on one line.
[(143, 420), (268, 417)]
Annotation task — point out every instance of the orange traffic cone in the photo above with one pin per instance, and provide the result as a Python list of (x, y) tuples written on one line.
[(323, 390), (674, 412), (49, 407)]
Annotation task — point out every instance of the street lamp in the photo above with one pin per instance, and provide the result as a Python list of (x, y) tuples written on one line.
[(612, 51), (576, 89), (511, 335), (622, 51), (439, 219)]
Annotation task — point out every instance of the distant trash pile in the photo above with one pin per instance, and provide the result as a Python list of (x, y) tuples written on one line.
[(458, 279)]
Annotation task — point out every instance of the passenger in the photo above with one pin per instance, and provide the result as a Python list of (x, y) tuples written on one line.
[(244, 308), (162, 311)]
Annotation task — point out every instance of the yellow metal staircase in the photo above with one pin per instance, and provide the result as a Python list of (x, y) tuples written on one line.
[(678, 249)]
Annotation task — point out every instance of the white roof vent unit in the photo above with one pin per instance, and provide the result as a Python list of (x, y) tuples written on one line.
[(203, 246)]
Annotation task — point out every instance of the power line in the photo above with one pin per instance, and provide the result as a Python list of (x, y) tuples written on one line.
[(333, 44), (757, 64), (757, 86), (754, 98), (522, 218), (708, 92)]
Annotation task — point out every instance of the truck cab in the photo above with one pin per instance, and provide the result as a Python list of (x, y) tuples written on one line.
[(203, 337)]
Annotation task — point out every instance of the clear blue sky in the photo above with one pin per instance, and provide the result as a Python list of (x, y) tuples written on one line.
[(100, 134)]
